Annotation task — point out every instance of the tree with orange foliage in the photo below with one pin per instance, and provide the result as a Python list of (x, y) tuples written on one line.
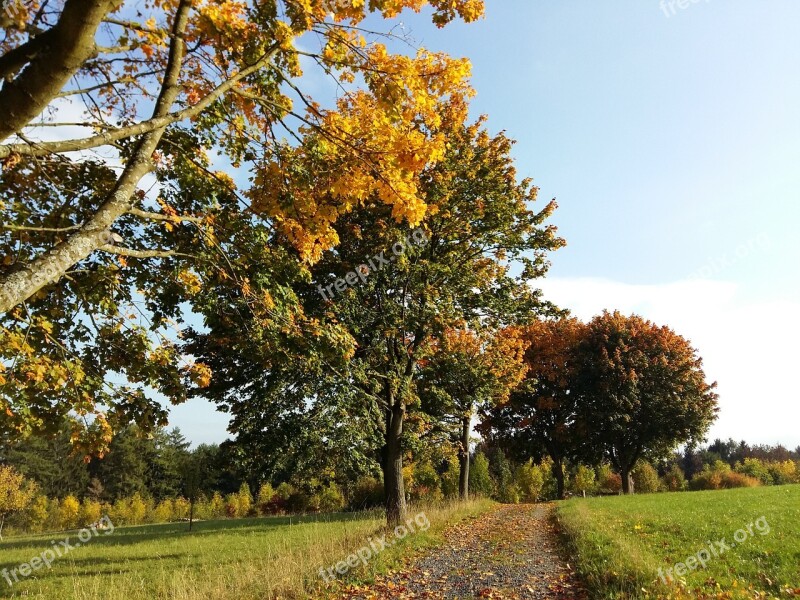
[(468, 370), (540, 417), (643, 391)]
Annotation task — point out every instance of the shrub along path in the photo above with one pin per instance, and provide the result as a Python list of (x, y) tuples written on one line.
[(507, 553)]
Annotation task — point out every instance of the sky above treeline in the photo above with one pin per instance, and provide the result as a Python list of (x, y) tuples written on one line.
[(670, 138)]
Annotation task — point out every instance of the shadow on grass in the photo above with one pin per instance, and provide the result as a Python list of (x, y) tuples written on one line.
[(73, 563), (23, 587), (138, 534), (67, 568)]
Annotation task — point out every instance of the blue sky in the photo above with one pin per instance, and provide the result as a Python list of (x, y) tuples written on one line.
[(672, 144)]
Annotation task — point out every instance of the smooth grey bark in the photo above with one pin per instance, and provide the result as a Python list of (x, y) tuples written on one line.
[(48, 268), (627, 481)]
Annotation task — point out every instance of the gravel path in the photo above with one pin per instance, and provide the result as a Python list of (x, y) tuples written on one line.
[(508, 553)]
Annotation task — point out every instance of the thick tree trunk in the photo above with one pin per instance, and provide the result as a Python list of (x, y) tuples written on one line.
[(393, 469), (627, 480), (463, 458), (558, 473), (56, 58), (48, 268)]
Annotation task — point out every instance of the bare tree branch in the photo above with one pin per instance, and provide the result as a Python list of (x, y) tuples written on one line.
[(121, 251), (154, 216)]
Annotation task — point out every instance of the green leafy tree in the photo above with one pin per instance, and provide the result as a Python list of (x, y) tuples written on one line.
[(756, 469), (674, 479), (451, 479), (645, 478), (126, 469), (506, 489), (426, 484), (330, 498), (584, 479), (37, 514), (480, 480), (414, 285), (467, 370), (530, 480), (169, 453), (49, 461), (96, 270)]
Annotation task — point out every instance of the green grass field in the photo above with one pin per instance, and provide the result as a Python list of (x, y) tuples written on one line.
[(620, 543), (243, 559)]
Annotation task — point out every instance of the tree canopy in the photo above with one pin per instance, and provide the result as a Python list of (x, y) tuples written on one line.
[(467, 370), (541, 416), (643, 388), (154, 150), (618, 388), (394, 292)]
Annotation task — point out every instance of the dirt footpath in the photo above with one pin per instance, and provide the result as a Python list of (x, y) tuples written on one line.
[(509, 553)]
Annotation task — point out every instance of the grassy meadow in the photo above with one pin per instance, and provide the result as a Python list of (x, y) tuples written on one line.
[(245, 558), (619, 543)]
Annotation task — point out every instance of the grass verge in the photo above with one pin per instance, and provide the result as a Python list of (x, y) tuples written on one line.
[(620, 543), (276, 557)]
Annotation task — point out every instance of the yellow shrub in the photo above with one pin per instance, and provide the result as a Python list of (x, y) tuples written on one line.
[(180, 509), (245, 500), (91, 511), (37, 515), (69, 513), (137, 509)]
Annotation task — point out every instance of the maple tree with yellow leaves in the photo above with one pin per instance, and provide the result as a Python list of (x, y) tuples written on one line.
[(300, 403), (105, 234)]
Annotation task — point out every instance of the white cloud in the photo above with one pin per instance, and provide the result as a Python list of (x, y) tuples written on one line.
[(749, 348)]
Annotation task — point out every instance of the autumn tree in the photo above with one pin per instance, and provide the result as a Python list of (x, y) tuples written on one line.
[(540, 417), (16, 493), (393, 290), (480, 221), (643, 391), (109, 234), (468, 369)]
